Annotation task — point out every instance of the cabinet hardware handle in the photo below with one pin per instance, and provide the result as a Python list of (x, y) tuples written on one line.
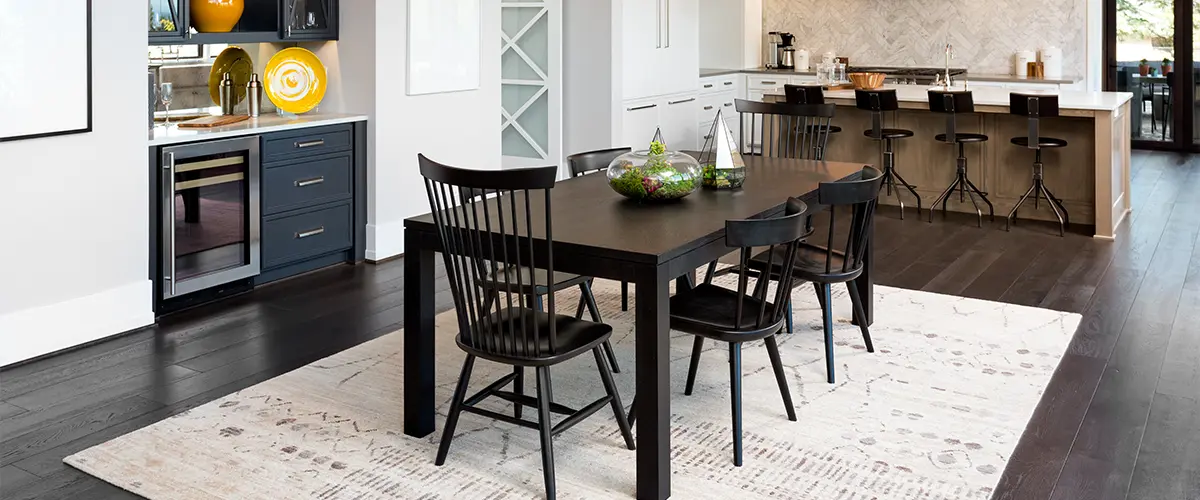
[(639, 108), (309, 182), (764, 82), (728, 104), (690, 99), (706, 108), (708, 85), (658, 29), (309, 144), (728, 83), (310, 232), (169, 201), (668, 2)]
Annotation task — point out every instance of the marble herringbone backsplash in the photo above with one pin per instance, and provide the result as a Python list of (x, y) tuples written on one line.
[(912, 32)]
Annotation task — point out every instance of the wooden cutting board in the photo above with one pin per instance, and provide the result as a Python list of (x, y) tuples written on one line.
[(214, 121)]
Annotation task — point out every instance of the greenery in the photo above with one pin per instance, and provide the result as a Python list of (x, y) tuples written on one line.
[(657, 180), (1153, 20), (724, 178)]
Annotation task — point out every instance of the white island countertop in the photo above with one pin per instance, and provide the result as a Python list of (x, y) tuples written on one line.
[(991, 96), (163, 135)]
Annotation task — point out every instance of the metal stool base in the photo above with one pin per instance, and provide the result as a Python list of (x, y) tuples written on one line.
[(1038, 190), (966, 189), (890, 179)]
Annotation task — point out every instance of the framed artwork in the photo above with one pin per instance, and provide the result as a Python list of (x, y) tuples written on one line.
[(443, 46), (46, 82)]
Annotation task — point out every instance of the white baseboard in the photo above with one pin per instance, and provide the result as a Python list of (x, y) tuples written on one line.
[(29, 333), (384, 240)]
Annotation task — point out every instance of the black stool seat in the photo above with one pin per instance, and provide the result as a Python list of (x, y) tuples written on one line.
[(960, 137), (888, 133), (1043, 142)]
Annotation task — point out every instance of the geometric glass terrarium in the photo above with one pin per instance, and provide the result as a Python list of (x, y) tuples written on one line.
[(654, 174), (721, 163)]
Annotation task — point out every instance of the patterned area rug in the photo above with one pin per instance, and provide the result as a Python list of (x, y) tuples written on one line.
[(934, 413)]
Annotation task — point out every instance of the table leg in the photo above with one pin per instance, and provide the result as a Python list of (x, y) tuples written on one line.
[(418, 338), (652, 326), (866, 282)]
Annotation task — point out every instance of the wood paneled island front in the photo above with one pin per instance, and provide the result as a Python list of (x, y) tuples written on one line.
[(1090, 175)]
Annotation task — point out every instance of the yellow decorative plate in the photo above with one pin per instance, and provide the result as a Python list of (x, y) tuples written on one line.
[(295, 80), (235, 61)]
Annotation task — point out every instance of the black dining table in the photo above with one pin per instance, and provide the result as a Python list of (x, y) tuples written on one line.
[(596, 232)]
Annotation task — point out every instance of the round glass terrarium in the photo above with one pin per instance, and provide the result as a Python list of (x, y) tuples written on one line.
[(654, 174)]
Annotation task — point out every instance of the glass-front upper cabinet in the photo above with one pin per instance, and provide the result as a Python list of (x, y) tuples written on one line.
[(167, 19), (310, 19)]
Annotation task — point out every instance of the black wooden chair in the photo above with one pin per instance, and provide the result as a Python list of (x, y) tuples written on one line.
[(951, 103), (496, 321), (808, 94), (1034, 107), (586, 163), (724, 315), (785, 130), (826, 265)]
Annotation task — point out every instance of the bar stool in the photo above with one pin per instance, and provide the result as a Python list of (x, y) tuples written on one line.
[(951, 103), (1035, 107), (878, 101), (809, 94)]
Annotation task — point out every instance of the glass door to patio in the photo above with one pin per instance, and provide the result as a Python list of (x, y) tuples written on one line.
[(1146, 47)]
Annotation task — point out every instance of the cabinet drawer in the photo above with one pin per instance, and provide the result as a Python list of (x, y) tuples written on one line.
[(766, 82), (307, 142), (726, 83), (307, 183), (297, 237), (709, 104)]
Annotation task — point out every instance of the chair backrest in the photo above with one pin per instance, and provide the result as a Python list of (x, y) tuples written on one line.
[(486, 222), (785, 130), (591, 161), (876, 101), (1035, 107), (781, 235), (951, 102), (803, 94), (860, 197)]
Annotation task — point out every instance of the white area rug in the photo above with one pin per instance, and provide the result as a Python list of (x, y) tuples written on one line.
[(934, 413)]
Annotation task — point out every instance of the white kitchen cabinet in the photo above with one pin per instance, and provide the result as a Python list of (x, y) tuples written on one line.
[(678, 121), (1019, 86), (722, 84), (640, 119), (679, 60), (641, 41)]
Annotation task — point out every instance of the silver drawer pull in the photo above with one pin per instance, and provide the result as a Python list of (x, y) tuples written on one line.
[(728, 83), (727, 104), (690, 99), (639, 108), (310, 232), (708, 85), (706, 108), (309, 182), (765, 82), (309, 144)]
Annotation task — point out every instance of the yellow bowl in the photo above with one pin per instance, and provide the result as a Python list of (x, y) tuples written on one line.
[(295, 80), (216, 16), (867, 81)]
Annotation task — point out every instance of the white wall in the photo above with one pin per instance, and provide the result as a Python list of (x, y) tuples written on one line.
[(73, 209), (460, 128)]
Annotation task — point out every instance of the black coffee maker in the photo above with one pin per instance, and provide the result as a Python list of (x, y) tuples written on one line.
[(787, 52)]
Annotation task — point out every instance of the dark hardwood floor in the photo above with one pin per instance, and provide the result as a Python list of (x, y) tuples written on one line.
[(1119, 420)]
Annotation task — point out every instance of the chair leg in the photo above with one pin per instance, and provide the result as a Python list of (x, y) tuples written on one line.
[(618, 410), (820, 296), (633, 410), (826, 294), (735, 379), (585, 291), (856, 301), (460, 392), (582, 301), (983, 196), (1062, 222), (697, 347), (780, 377), (544, 427), (518, 388), (790, 326), (708, 273), (1012, 215), (624, 295)]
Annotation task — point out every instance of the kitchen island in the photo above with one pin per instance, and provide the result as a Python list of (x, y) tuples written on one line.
[(1090, 175)]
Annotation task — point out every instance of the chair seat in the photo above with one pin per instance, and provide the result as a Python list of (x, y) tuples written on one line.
[(531, 278), (571, 338), (1043, 142), (810, 264), (962, 138), (709, 311), (889, 133)]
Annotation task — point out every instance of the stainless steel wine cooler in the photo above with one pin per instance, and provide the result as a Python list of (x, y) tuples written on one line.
[(211, 231)]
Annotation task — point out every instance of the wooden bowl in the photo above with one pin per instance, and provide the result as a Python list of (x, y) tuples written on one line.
[(868, 81)]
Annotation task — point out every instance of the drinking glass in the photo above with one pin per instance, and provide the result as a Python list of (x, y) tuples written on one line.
[(166, 93)]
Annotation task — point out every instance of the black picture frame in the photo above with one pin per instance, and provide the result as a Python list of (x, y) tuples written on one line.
[(88, 128)]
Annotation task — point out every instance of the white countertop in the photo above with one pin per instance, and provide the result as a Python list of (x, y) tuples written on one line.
[(163, 135), (991, 96)]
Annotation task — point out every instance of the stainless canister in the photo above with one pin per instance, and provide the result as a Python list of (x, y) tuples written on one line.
[(226, 95), (254, 94)]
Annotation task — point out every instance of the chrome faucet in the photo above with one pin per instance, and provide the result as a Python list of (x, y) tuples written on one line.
[(946, 80)]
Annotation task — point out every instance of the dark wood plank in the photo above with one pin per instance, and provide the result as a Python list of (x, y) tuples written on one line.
[(10, 410), (1181, 367), (20, 447), (957, 276), (68, 485), (1034, 467), (12, 478), (1086, 477), (1034, 285), (1168, 463)]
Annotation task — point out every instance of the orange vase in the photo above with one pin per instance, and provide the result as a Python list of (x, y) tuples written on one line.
[(216, 16)]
